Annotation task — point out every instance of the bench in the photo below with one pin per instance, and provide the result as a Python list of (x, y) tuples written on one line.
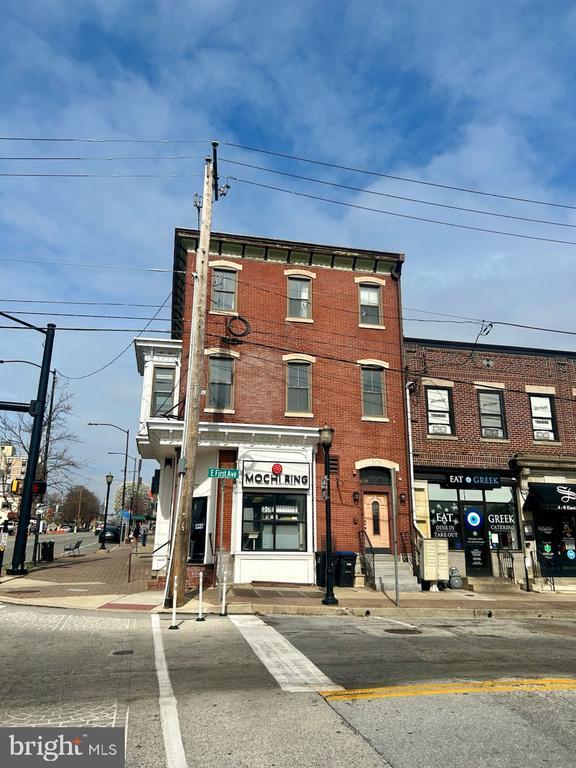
[(71, 548)]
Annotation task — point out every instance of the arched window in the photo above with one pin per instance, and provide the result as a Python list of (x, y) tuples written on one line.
[(375, 476)]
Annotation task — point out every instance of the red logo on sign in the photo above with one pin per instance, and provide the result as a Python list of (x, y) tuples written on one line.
[(277, 469)]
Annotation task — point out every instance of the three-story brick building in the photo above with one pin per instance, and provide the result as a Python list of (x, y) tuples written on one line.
[(297, 336)]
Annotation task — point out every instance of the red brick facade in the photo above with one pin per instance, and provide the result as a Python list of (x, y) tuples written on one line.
[(337, 342), (467, 366)]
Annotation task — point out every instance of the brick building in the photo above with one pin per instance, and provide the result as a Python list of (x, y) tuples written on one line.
[(494, 452), (297, 336)]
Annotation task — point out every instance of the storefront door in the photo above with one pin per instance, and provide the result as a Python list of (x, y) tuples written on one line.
[(556, 543), (198, 532), (377, 519), (478, 560)]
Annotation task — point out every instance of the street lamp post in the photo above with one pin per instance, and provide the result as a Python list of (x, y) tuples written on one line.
[(116, 453), (127, 433), (326, 437), (109, 479)]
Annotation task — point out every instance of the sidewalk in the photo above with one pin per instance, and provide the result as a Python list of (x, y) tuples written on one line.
[(117, 579)]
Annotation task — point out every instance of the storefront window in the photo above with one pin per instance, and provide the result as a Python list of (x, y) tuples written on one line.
[(496, 507), (274, 522)]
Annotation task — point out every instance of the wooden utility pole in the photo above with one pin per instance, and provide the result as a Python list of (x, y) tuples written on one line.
[(187, 469)]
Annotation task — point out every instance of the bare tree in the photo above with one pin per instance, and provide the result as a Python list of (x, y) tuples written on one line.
[(80, 506), (62, 463)]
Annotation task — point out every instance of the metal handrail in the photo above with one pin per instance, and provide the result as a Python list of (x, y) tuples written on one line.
[(505, 563), (538, 573), (410, 549), (367, 560)]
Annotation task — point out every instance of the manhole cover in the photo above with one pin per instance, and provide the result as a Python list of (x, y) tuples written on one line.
[(400, 631), (122, 653)]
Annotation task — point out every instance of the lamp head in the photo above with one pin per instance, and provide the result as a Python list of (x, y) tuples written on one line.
[(326, 434), (109, 478)]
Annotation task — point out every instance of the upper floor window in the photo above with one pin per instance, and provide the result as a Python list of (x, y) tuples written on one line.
[(439, 412), (543, 417), (299, 298), (373, 392), (220, 394), (162, 391), (224, 283), (491, 406), (298, 387), (370, 304)]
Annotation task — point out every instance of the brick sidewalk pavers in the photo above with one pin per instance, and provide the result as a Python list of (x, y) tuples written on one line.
[(96, 573)]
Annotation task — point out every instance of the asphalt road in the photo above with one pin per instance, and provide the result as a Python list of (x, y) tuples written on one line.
[(242, 691), (89, 541)]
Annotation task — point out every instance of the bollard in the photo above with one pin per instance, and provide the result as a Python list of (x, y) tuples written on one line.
[(1, 557), (223, 606), (174, 601), (200, 585)]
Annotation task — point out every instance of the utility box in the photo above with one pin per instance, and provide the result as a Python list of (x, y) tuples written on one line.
[(433, 559)]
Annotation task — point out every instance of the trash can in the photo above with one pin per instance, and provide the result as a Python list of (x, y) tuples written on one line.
[(345, 569), (47, 551), (321, 569)]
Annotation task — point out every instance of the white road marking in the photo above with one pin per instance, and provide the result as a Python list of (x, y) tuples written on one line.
[(173, 746), (293, 671), (402, 623)]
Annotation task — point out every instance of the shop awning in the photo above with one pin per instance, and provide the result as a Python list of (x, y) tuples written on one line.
[(551, 497)]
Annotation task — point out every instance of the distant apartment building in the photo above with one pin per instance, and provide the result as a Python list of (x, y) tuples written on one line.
[(12, 467), (494, 453), (298, 336)]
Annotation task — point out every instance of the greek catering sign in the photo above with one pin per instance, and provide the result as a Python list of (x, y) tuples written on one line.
[(466, 478), (265, 474)]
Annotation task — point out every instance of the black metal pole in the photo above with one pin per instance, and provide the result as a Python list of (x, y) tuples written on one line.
[(103, 542), (19, 555), (125, 470), (46, 452), (329, 598)]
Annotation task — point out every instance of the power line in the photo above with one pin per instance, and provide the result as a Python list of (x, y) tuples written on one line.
[(83, 329), (92, 266), (407, 179), (85, 140), (97, 317), (81, 303), (405, 215), (103, 175), (67, 158), (123, 351), (400, 197)]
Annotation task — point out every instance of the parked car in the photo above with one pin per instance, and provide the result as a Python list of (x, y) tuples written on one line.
[(112, 534), (98, 528), (65, 528), (9, 527)]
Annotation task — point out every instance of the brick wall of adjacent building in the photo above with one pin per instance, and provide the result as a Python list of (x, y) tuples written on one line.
[(515, 368), (337, 341)]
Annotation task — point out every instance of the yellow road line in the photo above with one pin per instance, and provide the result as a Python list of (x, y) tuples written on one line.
[(438, 689)]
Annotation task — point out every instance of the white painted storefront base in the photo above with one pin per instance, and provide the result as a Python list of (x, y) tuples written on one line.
[(289, 568)]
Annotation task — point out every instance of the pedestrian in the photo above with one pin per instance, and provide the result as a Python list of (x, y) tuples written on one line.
[(144, 532), (136, 532)]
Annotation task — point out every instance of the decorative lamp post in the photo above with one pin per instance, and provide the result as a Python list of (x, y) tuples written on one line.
[(109, 479), (326, 437)]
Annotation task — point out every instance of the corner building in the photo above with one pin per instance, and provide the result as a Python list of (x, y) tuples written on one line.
[(494, 451), (297, 336)]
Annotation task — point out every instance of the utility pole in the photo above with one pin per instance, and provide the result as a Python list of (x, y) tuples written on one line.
[(187, 468)]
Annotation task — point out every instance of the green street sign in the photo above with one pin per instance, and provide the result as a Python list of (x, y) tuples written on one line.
[(224, 474)]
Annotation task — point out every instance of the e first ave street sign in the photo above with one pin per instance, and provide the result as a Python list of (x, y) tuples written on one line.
[(224, 474)]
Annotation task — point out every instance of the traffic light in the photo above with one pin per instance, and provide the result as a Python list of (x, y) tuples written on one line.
[(39, 487), (16, 487)]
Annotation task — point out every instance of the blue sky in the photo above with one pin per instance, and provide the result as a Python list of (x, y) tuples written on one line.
[(477, 95)]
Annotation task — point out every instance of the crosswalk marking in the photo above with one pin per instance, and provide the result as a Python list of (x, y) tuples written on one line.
[(293, 671)]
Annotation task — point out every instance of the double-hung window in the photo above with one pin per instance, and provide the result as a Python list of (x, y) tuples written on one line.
[(220, 395), (370, 304), (162, 391), (439, 411), (543, 417), (491, 407), (299, 298), (373, 392), (224, 285), (298, 387)]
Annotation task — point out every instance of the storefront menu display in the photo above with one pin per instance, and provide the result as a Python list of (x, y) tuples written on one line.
[(445, 523)]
